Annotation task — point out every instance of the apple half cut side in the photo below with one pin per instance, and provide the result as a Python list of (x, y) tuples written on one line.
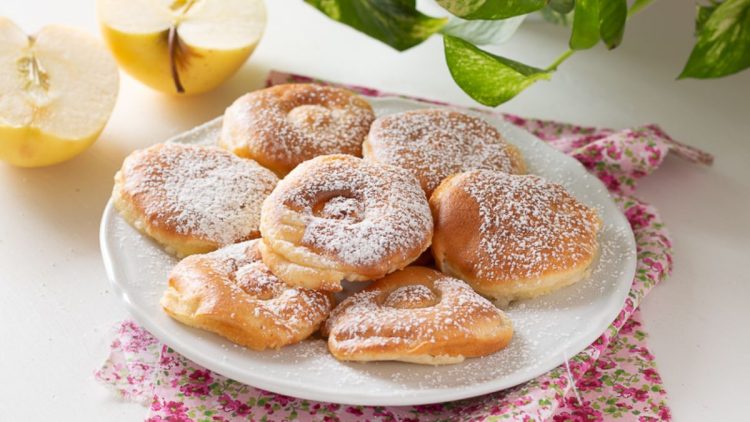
[(57, 91), (181, 46)]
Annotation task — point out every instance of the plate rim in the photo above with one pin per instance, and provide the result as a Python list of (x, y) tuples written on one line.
[(321, 392)]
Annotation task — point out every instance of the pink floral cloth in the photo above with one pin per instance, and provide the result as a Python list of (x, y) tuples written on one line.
[(614, 378)]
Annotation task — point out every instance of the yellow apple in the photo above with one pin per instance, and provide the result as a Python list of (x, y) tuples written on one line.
[(57, 91), (181, 46)]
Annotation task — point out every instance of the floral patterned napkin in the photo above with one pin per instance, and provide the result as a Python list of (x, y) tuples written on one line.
[(613, 378)]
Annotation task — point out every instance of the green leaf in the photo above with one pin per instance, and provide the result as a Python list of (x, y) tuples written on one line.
[(723, 45), (394, 22), (481, 32), (491, 9), (612, 16), (585, 32), (702, 15), (637, 6), (562, 6), (489, 79)]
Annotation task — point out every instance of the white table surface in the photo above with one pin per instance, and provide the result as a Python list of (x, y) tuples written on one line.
[(57, 310)]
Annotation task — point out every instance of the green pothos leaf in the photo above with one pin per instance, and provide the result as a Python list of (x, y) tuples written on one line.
[(723, 45), (491, 9), (702, 15), (397, 23), (638, 5), (612, 17), (487, 78), (585, 33)]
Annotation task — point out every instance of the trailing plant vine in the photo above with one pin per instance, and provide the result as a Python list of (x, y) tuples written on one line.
[(722, 30)]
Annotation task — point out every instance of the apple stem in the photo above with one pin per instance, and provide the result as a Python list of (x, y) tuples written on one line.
[(173, 45)]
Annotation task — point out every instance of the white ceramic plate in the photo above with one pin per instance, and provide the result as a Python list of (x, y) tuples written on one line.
[(547, 330)]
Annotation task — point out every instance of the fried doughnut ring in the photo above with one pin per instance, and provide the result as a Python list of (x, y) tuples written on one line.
[(192, 199), (435, 143), (232, 293), (512, 237), (284, 125), (416, 315), (338, 217)]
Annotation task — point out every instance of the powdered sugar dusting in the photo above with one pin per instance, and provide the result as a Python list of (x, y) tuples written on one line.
[(198, 191), (411, 296), (366, 320), (292, 123), (545, 328), (436, 143), (371, 212), (342, 208), (251, 282), (528, 225)]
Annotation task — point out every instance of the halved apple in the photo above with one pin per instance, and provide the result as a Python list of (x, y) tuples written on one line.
[(182, 46), (57, 91)]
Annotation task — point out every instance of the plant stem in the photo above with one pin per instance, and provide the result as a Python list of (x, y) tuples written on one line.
[(637, 7), (564, 56)]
